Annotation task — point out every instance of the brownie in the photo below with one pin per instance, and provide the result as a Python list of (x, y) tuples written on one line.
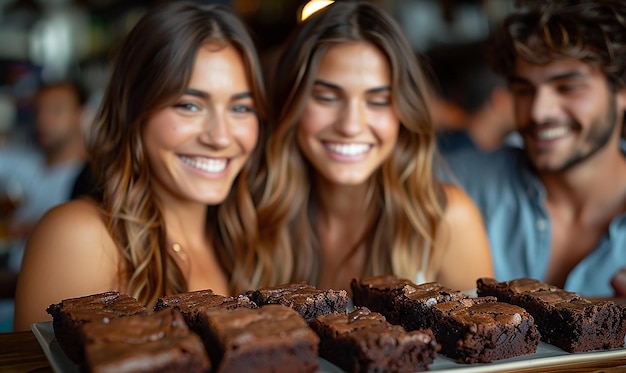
[(565, 319), (413, 306), (200, 300), (481, 330), (401, 301), (469, 330), (160, 342), (309, 301), (378, 293), (272, 338), (363, 341), (70, 315), (193, 303)]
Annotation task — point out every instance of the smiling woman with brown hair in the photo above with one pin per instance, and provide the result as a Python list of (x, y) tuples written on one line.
[(172, 149), (348, 186)]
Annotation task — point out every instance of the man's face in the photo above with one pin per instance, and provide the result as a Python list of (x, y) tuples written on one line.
[(58, 118), (565, 111)]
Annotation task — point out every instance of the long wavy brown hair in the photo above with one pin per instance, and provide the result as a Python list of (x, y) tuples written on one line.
[(152, 70), (545, 30), (405, 200)]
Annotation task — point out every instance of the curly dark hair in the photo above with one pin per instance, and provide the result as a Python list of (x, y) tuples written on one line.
[(545, 30)]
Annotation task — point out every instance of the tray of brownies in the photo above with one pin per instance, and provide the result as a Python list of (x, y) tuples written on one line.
[(391, 325)]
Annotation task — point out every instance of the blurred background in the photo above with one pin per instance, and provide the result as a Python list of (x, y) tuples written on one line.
[(47, 40)]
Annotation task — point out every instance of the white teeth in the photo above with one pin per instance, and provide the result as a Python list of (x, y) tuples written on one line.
[(552, 133), (348, 149), (206, 164)]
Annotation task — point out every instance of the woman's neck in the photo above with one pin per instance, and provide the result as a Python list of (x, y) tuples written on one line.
[(344, 216), (185, 223), (341, 203)]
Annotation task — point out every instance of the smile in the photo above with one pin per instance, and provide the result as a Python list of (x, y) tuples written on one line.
[(551, 133), (349, 150), (212, 165)]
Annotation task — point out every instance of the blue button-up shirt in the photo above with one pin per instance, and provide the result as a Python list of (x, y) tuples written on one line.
[(513, 203)]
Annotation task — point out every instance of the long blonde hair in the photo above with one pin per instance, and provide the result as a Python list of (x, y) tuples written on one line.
[(152, 70), (405, 200)]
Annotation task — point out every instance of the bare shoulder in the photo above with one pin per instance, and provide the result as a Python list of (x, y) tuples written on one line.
[(83, 210), (71, 225), (459, 205), (74, 229), (69, 253), (461, 243)]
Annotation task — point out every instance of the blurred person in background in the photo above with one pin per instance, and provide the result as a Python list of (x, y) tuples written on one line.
[(8, 113), (556, 209), (35, 178), (42, 176), (473, 106), (348, 188)]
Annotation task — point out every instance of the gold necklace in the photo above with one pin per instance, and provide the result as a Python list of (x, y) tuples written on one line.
[(185, 264), (180, 252)]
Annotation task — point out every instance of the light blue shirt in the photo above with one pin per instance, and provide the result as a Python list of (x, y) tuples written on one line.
[(513, 203), (42, 186)]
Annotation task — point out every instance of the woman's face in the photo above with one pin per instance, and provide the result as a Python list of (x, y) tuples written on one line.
[(197, 146), (349, 126)]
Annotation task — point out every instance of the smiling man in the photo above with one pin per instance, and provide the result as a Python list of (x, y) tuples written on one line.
[(556, 210)]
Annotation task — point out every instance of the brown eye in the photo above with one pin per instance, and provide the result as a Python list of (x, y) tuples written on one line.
[(379, 103), (379, 100), (325, 98), (567, 88)]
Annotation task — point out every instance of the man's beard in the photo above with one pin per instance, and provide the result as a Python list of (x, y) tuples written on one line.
[(600, 133), (55, 146)]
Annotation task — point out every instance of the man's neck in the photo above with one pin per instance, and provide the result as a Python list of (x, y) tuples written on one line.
[(598, 184)]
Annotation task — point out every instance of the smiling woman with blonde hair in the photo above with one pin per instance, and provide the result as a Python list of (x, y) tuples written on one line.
[(348, 187)]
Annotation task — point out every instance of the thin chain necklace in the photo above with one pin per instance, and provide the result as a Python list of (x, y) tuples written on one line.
[(178, 249), (185, 265)]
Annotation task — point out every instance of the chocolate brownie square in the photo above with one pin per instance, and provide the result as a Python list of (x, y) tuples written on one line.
[(378, 293), (363, 341), (201, 300), (469, 330), (160, 342), (481, 330), (192, 304), (306, 299), (401, 301), (272, 338), (413, 306), (565, 319), (70, 315)]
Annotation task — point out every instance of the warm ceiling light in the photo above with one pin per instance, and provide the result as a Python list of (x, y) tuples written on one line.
[(313, 6)]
